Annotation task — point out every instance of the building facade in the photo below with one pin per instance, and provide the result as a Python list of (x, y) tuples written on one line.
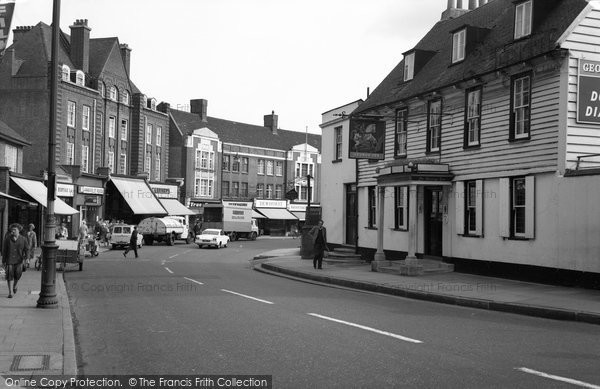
[(105, 124), (339, 176), (250, 162), (491, 142)]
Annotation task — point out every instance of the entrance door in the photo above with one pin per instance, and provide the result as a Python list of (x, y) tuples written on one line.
[(351, 214), (433, 221)]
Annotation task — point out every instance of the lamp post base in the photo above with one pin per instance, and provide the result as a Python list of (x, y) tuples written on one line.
[(48, 297)]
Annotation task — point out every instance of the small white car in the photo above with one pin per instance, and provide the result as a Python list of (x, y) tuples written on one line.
[(120, 235), (212, 237)]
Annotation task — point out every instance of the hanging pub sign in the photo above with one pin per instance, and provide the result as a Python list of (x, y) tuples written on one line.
[(588, 92), (367, 138)]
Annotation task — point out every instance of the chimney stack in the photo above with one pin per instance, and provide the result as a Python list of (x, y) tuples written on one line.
[(163, 107), (80, 45), (19, 31), (455, 9), (271, 122), (200, 107), (126, 55)]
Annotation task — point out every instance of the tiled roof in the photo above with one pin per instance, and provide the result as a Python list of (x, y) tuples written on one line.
[(11, 135), (244, 134), (497, 49), (100, 49)]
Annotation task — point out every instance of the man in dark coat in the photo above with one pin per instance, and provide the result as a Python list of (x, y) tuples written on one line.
[(14, 252), (132, 243), (319, 237)]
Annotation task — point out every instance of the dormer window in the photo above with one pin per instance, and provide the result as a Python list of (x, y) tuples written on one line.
[(101, 88), (66, 73), (409, 66), (523, 18), (458, 45), (151, 104), (80, 78), (113, 93)]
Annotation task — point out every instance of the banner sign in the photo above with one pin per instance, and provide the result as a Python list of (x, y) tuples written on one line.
[(367, 138), (6, 14), (588, 92)]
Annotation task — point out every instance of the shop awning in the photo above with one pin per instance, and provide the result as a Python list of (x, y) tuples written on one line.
[(175, 208), (7, 196), (38, 192), (138, 196), (277, 213), (300, 215), (257, 215)]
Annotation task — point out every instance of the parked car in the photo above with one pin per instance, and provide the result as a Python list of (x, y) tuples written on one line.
[(120, 235), (212, 237)]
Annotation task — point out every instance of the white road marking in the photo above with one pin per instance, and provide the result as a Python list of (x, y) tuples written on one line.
[(169, 270), (558, 378), (246, 296), (173, 256), (193, 280), (404, 338), (187, 251)]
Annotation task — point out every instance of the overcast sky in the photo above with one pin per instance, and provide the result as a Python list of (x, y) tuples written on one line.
[(249, 57)]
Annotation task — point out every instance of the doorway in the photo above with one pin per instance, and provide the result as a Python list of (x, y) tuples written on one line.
[(433, 218), (351, 214)]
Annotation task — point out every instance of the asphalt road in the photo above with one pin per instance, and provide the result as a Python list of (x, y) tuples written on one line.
[(185, 310)]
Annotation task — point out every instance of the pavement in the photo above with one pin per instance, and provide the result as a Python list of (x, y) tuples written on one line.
[(36, 341), (497, 294)]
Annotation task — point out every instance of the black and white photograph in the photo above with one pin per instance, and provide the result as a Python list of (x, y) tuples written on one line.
[(284, 194)]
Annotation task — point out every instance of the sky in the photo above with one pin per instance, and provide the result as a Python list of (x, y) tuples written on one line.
[(251, 57)]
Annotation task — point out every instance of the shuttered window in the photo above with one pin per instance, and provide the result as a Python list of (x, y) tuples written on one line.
[(469, 207), (517, 207)]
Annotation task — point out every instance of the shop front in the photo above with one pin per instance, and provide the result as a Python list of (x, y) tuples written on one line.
[(130, 200), (278, 220), (66, 192)]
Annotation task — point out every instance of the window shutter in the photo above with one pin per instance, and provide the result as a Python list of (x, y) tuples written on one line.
[(459, 207), (479, 207), (504, 207), (406, 205), (530, 207)]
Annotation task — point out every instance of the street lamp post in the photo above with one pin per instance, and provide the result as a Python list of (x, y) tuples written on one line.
[(48, 297)]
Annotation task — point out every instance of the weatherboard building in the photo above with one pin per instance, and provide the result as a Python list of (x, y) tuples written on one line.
[(482, 147)]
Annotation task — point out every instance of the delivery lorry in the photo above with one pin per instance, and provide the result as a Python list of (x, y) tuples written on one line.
[(234, 218), (164, 229)]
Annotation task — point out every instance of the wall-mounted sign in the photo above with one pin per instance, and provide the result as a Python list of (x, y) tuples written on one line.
[(270, 203), (91, 190), (238, 204), (164, 191), (92, 200), (588, 92), (65, 190), (367, 138)]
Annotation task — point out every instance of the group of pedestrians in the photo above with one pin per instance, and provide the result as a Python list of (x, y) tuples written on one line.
[(17, 251)]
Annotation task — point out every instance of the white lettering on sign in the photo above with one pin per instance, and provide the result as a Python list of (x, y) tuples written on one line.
[(91, 190), (591, 67)]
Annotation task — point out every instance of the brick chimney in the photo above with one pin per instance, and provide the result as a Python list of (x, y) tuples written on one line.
[(19, 31), (199, 107), (271, 122), (455, 9), (80, 45), (126, 55), (163, 107)]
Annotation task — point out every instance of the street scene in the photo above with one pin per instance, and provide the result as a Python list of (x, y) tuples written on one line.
[(379, 195)]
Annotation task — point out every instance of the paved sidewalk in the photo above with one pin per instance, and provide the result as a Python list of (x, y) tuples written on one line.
[(490, 293)]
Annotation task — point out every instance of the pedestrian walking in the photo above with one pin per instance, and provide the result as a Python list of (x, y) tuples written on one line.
[(132, 243), (82, 235), (319, 238), (31, 244), (197, 228), (14, 253)]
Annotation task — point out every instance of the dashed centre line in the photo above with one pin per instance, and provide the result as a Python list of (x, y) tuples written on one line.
[(246, 296), (558, 378), (396, 336), (193, 280), (169, 270)]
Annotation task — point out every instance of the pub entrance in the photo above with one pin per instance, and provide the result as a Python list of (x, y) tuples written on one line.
[(351, 214), (433, 205)]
